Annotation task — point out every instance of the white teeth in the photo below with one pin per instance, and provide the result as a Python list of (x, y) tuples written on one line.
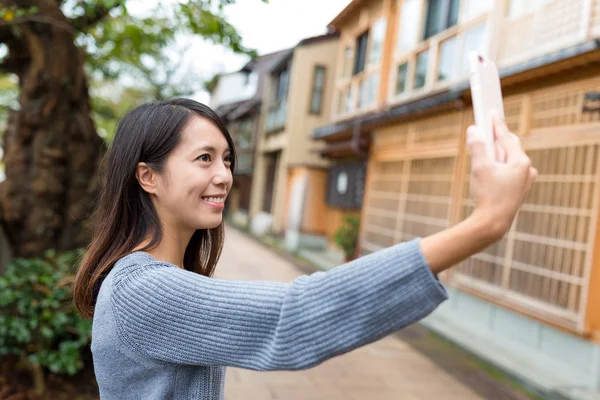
[(215, 199)]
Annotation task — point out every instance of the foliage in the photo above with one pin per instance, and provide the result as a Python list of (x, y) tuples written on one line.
[(347, 235), (38, 320), (147, 47), (211, 84), (111, 102), (142, 46)]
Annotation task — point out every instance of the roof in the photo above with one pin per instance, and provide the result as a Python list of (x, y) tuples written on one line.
[(282, 61), (346, 13), (286, 56), (262, 66), (374, 118), (244, 109), (331, 34)]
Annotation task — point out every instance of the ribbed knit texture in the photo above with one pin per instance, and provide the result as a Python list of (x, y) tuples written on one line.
[(161, 332)]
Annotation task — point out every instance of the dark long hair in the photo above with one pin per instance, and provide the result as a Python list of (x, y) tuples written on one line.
[(125, 216)]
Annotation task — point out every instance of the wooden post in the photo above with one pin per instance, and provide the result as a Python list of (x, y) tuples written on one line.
[(390, 14)]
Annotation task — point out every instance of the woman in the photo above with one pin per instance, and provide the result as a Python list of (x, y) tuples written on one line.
[(163, 329)]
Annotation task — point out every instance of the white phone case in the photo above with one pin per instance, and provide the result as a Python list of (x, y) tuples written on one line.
[(487, 96)]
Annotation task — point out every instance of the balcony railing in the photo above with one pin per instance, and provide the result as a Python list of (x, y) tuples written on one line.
[(276, 116)]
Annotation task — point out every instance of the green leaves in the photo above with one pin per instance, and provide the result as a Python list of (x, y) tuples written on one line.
[(37, 317), (347, 235)]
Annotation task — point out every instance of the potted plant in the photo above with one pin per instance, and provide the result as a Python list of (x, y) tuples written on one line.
[(347, 236)]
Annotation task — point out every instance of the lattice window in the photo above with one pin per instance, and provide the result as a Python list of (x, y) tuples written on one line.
[(385, 188), (557, 19), (513, 107), (544, 259), (444, 128), (518, 39), (595, 17), (562, 106), (396, 137), (406, 199)]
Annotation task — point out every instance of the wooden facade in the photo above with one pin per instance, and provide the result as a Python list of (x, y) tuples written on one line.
[(418, 184), (548, 265)]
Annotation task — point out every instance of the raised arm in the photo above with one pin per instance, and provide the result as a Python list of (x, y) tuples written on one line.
[(173, 315)]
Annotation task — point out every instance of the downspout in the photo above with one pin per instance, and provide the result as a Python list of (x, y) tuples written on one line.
[(355, 141)]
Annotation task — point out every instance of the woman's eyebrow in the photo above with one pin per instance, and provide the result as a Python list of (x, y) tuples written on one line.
[(210, 149)]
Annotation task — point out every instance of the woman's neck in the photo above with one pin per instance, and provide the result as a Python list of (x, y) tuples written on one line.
[(171, 248)]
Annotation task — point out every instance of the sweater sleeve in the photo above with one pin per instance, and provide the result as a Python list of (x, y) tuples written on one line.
[(177, 316)]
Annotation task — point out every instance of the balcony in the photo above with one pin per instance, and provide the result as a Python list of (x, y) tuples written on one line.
[(548, 27), (512, 37), (276, 117)]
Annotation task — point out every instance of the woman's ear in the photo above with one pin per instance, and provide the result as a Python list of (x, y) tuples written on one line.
[(146, 177)]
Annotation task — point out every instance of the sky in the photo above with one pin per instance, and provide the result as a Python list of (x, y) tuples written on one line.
[(267, 28)]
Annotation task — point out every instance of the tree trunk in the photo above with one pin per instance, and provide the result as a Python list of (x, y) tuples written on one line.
[(52, 151)]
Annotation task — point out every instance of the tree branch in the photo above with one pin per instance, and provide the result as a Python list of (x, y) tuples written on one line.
[(86, 21), (37, 18)]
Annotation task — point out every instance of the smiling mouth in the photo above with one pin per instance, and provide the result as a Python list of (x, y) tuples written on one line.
[(214, 199)]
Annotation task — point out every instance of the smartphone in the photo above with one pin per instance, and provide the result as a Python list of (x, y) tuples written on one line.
[(487, 96)]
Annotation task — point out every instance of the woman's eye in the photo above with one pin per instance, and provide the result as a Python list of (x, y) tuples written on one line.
[(204, 157), (228, 158)]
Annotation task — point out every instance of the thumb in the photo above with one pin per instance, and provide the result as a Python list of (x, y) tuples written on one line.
[(476, 145)]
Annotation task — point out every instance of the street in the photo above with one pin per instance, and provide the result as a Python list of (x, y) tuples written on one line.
[(388, 369)]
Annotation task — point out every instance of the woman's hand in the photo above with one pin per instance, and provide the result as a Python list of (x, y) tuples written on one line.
[(499, 186)]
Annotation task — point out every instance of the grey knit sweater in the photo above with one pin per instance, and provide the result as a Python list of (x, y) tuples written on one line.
[(160, 332)]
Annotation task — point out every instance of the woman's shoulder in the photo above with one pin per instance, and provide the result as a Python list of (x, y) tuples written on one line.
[(136, 263)]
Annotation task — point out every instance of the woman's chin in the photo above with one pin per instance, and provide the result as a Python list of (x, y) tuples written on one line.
[(210, 223)]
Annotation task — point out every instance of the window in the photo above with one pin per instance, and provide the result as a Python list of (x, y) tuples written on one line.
[(378, 36), (473, 8), (348, 57), (401, 77), (341, 108), (282, 87), (348, 101), (441, 15), (346, 185), (475, 39), (373, 88), (363, 92), (447, 59), (421, 70), (408, 31), (345, 101), (361, 53), (318, 88), (518, 8), (244, 133)]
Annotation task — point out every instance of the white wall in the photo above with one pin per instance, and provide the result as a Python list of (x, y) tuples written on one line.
[(234, 87), (539, 355)]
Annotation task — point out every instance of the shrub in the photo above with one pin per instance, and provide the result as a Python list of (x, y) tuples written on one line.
[(39, 323), (347, 236)]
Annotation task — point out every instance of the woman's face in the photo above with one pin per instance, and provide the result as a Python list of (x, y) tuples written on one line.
[(191, 191)]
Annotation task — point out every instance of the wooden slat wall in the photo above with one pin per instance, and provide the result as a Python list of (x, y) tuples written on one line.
[(419, 174)]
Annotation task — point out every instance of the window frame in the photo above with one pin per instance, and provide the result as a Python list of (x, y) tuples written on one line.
[(445, 21), (314, 90)]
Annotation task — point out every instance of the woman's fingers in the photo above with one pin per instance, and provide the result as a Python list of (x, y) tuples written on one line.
[(476, 146), (508, 141)]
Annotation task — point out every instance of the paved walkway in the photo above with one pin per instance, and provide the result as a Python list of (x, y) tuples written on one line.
[(387, 369)]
